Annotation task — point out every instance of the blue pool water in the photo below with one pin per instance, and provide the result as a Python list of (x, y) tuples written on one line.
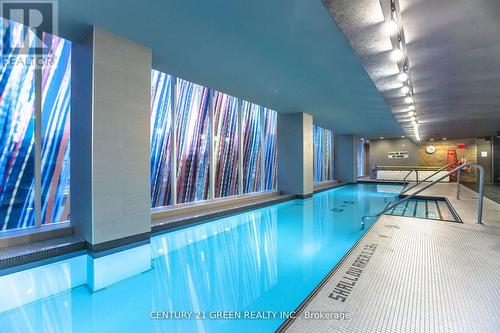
[(264, 260)]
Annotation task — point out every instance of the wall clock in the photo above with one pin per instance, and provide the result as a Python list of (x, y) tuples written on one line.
[(430, 149)]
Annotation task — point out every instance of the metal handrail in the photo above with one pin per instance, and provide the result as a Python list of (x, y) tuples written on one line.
[(406, 177), (456, 170), (426, 178)]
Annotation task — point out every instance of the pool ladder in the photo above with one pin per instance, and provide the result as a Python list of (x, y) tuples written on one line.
[(457, 170)]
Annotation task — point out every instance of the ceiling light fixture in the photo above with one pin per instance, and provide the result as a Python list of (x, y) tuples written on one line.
[(397, 54), (394, 27), (403, 77), (391, 27)]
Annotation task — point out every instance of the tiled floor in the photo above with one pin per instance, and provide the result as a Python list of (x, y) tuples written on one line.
[(417, 275), (491, 191), (27, 253), (414, 275)]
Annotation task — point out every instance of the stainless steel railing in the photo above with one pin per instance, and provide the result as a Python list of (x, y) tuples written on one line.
[(406, 177), (425, 179), (456, 170)]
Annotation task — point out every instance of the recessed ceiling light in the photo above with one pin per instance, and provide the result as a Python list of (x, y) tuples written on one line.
[(391, 27), (444, 139), (431, 139), (411, 107), (381, 138), (411, 113), (405, 89), (403, 77), (402, 136), (413, 118), (397, 54), (408, 100)]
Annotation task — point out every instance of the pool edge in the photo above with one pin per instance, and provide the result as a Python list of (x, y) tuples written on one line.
[(288, 322)]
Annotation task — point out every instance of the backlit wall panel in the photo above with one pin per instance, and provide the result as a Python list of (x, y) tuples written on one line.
[(56, 101), (225, 110), (361, 158), (252, 149), (17, 131), (270, 150), (161, 139), (192, 130), (323, 154), (207, 121)]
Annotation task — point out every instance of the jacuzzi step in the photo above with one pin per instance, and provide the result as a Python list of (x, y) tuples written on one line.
[(433, 209)]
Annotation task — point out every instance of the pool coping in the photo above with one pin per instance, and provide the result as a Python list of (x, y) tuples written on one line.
[(160, 228), (189, 221)]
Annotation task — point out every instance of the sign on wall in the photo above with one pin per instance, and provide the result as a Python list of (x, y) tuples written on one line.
[(398, 154)]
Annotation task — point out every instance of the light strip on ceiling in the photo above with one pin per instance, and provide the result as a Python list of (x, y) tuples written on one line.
[(394, 28)]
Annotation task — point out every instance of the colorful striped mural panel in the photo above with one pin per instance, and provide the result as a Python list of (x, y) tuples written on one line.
[(226, 141), (251, 133), (55, 120), (270, 150), (192, 130), (361, 158), (161, 139), (323, 154), (17, 131)]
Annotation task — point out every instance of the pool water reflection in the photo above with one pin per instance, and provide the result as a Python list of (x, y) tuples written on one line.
[(264, 260)]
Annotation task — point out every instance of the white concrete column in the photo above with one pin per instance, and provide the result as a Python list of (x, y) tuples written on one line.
[(346, 158), (110, 144), (295, 154)]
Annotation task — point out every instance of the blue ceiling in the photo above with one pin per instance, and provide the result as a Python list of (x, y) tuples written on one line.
[(287, 55)]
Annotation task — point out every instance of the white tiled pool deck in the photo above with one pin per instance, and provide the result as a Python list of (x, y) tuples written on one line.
[(466, 207), (417, 275)]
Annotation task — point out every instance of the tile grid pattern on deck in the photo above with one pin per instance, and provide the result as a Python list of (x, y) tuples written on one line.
[(28, 253), (424, 276)]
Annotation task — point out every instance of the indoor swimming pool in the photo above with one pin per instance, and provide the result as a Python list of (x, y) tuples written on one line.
[(248, 266)]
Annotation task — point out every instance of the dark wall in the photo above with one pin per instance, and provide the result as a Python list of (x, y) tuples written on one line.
[(496, 157)]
